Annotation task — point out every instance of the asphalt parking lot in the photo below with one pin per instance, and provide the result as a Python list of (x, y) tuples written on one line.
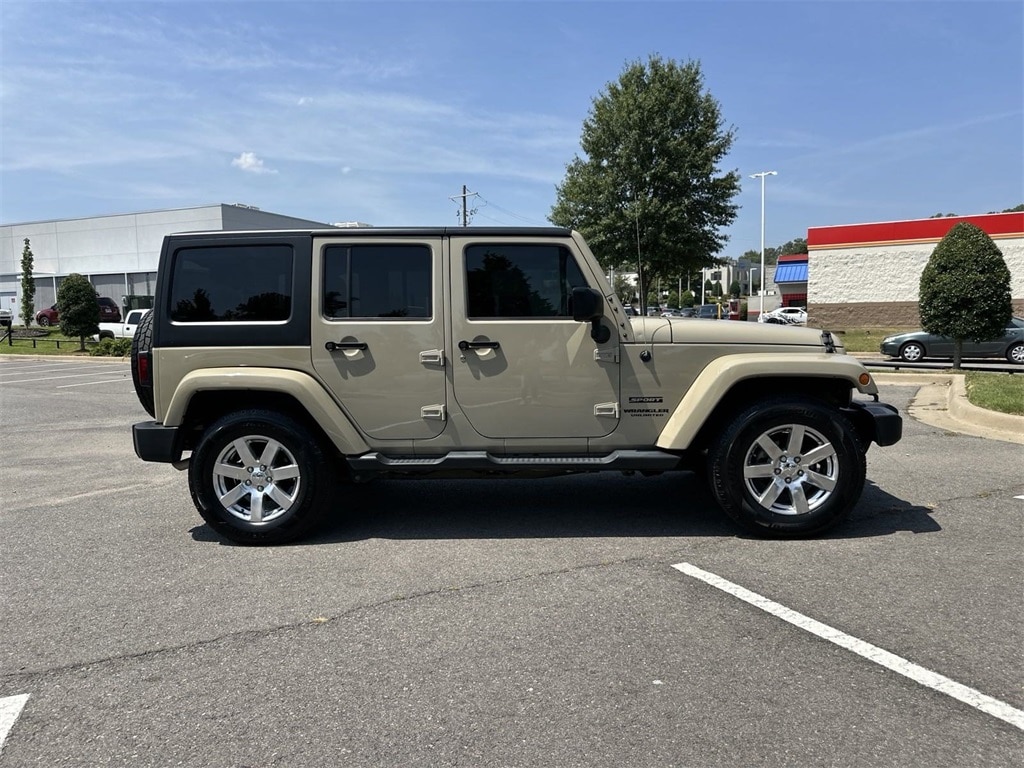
[(498, 623)]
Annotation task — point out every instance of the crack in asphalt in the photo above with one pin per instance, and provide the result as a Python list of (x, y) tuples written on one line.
[(32, 674)]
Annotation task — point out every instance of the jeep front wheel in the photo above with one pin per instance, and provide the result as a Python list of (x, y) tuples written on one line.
[(787, 467), (260, 477)]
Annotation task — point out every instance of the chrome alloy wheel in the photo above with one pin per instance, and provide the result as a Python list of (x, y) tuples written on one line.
[(791, 469), (256, 479)]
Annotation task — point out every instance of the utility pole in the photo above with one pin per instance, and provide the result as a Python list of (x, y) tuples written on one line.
[(466, 212)]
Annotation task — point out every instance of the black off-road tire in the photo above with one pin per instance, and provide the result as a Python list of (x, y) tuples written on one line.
[(787, 467), (142, 342), (261, 477)]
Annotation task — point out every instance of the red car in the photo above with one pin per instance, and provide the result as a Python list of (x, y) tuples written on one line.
[(109, 313)]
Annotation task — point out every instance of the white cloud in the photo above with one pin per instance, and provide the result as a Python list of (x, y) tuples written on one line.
[(247, 161)]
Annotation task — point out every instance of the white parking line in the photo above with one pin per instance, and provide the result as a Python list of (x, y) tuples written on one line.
[(90, 383), (53, 378), (10, 708), (890, 661)]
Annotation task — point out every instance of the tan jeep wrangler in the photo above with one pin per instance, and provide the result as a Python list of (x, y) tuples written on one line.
[(283, 363)]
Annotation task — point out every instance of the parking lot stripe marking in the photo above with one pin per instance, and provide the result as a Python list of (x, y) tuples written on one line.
[(10, 708), (890, 661), (90, 383), (52, 378)]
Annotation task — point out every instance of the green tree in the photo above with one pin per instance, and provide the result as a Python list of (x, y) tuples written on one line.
[(965, 288), (796, 245), (717, 289), (771, 256), (735, 289), (687, 300), (76, 304), (709, 289), (649, 189), (28, 285)]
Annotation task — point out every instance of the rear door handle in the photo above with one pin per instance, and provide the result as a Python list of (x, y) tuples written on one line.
[(330, 346), (464, 345)]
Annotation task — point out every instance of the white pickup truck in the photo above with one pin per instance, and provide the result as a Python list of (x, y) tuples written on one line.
[(123, 330)]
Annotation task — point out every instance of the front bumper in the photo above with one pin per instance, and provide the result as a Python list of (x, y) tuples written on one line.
[(890, 348), (155, 442), (876, 422)]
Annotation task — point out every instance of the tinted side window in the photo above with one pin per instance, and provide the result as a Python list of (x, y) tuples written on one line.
[(362, 281), (241, 283), (531, 280)]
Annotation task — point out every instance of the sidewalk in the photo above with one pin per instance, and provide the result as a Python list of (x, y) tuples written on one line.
[(942, 402)]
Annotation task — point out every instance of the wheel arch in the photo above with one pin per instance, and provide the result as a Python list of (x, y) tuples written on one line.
[(204, 396), (723, 389)]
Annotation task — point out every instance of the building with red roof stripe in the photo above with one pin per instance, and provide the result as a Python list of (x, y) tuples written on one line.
[(869, 274)]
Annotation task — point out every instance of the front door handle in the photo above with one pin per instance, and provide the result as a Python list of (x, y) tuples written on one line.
[(464, 345), (330, 346)]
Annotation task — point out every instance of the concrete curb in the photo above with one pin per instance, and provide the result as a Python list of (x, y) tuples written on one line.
[(942, 402)]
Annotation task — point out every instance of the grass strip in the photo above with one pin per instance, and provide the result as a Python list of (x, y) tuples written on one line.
[(996, 391)]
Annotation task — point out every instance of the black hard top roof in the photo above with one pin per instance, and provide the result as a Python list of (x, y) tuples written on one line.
[(388, 232)]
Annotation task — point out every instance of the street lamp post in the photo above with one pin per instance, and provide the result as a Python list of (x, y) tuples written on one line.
[(761, 287)]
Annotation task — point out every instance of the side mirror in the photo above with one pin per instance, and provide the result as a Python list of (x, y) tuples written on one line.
[(588, 307)]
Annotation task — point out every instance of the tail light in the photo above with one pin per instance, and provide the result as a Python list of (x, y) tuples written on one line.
[(143, 372)]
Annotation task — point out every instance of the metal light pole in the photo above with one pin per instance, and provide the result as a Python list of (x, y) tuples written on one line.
[(761, 289)]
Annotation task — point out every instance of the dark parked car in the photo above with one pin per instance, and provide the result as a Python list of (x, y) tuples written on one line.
[(709, 312), (109, 313), (47, 317), (917, 345)]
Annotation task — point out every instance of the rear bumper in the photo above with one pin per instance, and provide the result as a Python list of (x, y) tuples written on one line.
[(876, 422), (155, 442)]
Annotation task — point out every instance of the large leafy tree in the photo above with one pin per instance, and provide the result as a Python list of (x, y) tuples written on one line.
[(28, 285), (965, 288), (77, 307), (648, 190)]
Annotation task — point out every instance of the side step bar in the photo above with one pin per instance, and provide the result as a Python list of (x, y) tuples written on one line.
[(482, 462)]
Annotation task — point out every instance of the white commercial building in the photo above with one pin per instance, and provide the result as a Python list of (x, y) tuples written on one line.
[(118, 253)]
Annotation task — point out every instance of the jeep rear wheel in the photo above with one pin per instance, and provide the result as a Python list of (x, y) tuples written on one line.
[(260, 477), (787, 467)]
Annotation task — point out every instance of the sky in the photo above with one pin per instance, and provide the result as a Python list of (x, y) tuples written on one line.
[(380, 112)]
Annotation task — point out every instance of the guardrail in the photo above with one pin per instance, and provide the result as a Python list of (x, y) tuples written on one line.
[(943, 366)]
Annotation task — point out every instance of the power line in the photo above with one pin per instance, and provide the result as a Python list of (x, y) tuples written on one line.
[(514, 215)]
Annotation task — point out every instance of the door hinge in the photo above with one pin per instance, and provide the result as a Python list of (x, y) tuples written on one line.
[(435, 412), (432, 357), (607, 355), (607, 409)]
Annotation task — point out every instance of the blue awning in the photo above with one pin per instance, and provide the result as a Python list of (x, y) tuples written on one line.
[(791, 273)]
